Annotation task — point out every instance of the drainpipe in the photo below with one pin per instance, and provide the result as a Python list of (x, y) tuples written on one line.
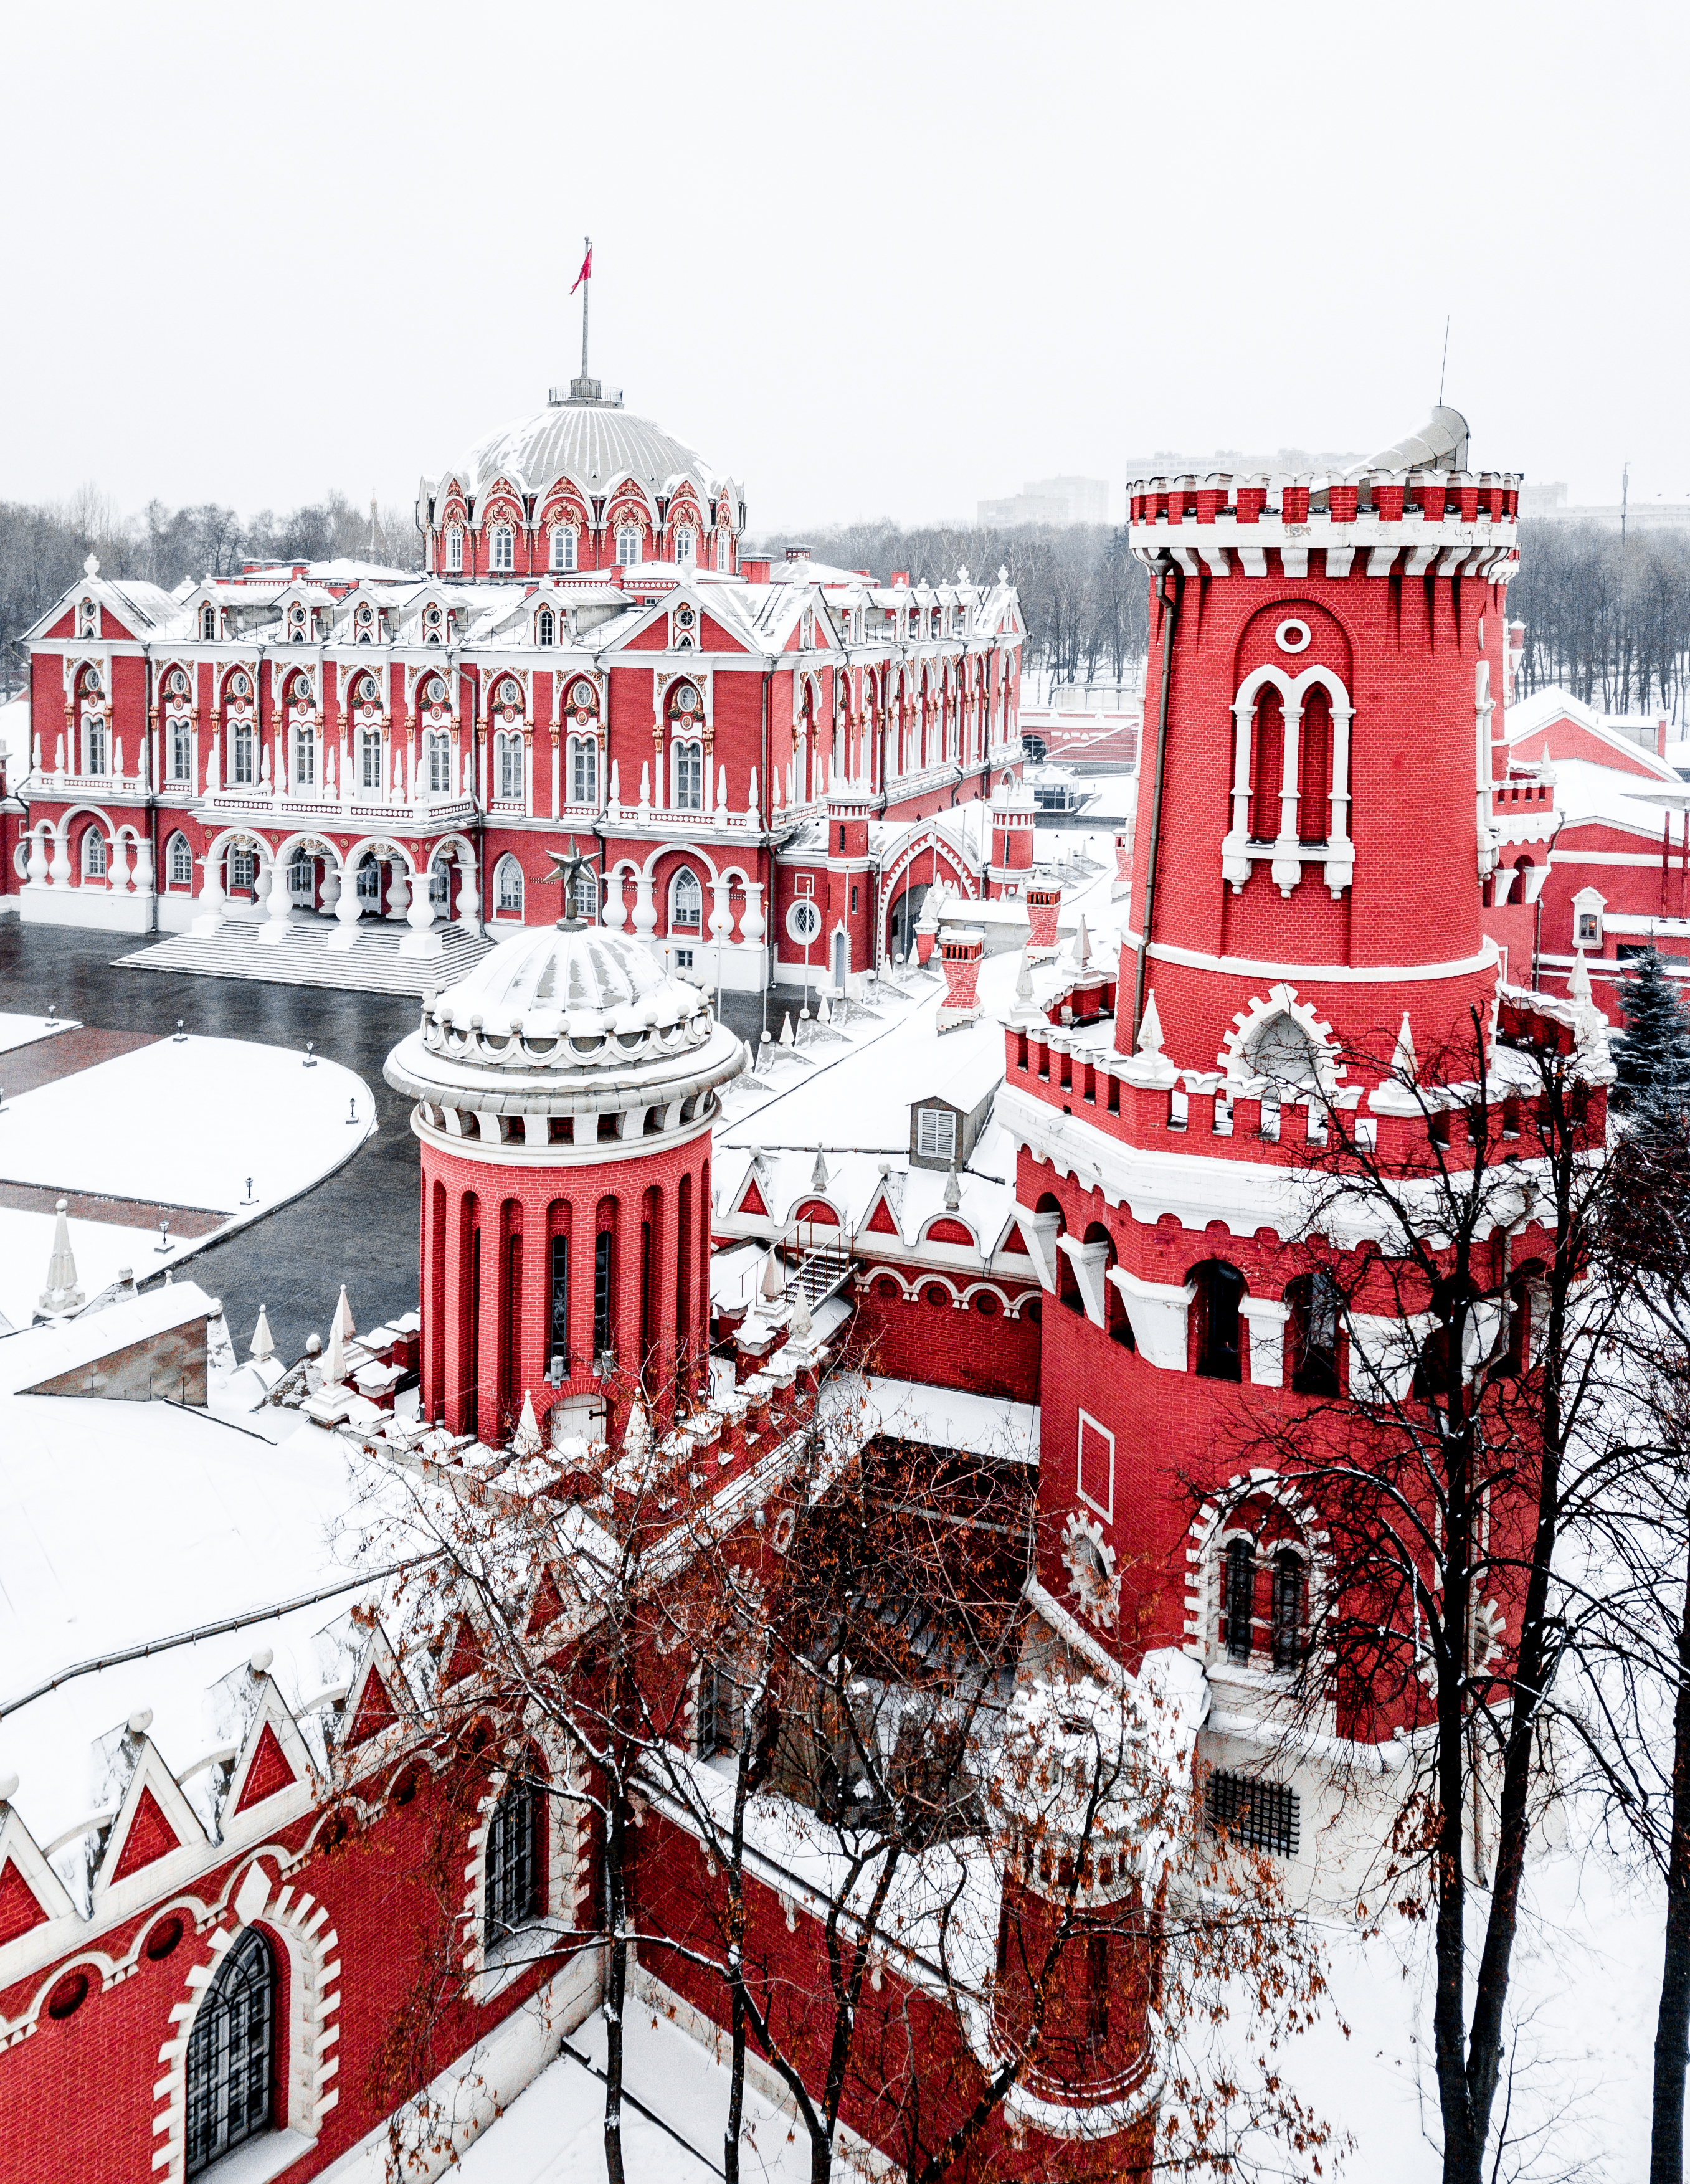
[(1164, 566), (765, 827)]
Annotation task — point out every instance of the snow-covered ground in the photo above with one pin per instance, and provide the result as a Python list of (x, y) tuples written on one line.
[(23, 1031), (181, 1122), (555, 2132)]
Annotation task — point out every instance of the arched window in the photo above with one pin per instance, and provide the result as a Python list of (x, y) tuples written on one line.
[(583, 769), (503, 550), (1238, 1599), (1216, 1313), (179, 862), (1291, 1608), (686, 544), (231, 2074), (1266, 764), (455, 548), (370, 757), (1312, 1333), (208, 625), (508, 888), (242, 771), (1281, 1050), (304, 755), (510, 768), (95, 752), (513, 1864), (686, 902), (439, 762), (627, 546), (546, 625), (96, 854), (562, 549), (1314, 767), (724, 549), (686, 773), (182, 749)]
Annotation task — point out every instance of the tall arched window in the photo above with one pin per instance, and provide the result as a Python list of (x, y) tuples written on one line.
[(583, 769), (513, 1864), (545, 626), (1314, 767), (686, 902), (686, 545), (562, 549), (627, 546), (1216, 1311), (96, 854), (208, 625), (508, 888), (1266, 764), (370, 757), (243, 771), (179, 862), (510, 769), (230, 2072), (1291, 1608), (454, 549), (503, 550), (1238, 1599), (304, 755), (1312, 1333), (182, 749), (439, 762), (686, 773)]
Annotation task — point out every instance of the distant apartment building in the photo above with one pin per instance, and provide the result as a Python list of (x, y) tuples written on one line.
[(1052, 500)]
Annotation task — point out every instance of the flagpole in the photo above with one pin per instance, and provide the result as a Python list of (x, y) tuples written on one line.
[(585, 296)]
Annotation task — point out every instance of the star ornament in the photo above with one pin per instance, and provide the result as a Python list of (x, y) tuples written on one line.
[(568, 870)]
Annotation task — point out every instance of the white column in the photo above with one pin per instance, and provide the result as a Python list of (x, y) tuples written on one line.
[(1287, 865), (344, 938), (61, 858), (613, 910), (469, 894), (399, 891), (117, 878), (275, 927), (752, 925), (644, 909), (144, 866), (40, 863), (213, 901), (421, 939)]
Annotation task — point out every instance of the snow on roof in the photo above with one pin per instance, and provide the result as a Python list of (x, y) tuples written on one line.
[(1619, 730), (946, 1418), (1589, 795)]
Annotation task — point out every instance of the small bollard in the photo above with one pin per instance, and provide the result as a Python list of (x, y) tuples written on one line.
[(310, 1054), (164, 1242), (249, 1199), (181, 1039), (352, 1110)]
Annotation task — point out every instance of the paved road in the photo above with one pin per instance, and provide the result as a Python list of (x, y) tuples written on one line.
[(359, 1226)]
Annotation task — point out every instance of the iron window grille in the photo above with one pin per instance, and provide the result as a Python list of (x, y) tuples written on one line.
[(512, 1868), (1261, 1815), (1238, 1603), (558, 1328), (232, 2055), (601, 1294)]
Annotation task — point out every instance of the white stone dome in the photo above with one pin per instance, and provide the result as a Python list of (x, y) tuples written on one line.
[(593, 444), (563, 1019)]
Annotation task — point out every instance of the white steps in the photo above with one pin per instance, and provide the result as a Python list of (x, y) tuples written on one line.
[(375, 966)]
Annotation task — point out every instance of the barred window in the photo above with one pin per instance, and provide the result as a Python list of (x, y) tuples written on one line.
[(558, 1319), (231, 2055), (1290, 1582), (1261, 1815), (721, 1711), (601, 1293), (512, 1867), (1238, 1599)]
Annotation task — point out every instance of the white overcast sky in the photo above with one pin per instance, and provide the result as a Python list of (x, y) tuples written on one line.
[(870, 259)]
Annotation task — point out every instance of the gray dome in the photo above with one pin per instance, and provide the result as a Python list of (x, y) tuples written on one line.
[(593, 444)]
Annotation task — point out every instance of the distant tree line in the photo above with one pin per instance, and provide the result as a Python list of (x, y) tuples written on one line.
[(1609, 622), (1084, 598), (44, 544)]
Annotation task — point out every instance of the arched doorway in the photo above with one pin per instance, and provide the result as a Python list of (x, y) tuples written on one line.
[(905, 916)]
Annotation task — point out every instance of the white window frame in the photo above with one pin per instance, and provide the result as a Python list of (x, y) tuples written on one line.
[(179, 861), (96, 856), (95, 735), (933, 1124), (182, 749), (684, 878), (545, 627), (686, 546), (1105, 1510), (502, 555), (439, 762), (510, 768), (455, 548), (243, 755), (1287, 854), (370, 767), (583, 769), (563, 550), (686, 774), (508, 889), (304, 755), (629, 546)]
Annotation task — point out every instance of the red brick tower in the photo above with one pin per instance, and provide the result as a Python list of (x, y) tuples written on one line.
[(1313, 863), (565, 1091)]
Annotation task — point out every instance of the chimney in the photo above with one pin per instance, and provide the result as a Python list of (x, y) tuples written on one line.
[(754, 568), (959, 953), (1042, 903), (798, 553), (900, 576)]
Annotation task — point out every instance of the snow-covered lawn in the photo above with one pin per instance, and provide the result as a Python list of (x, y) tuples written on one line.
[(23, 1031), (554, 2133), (181, 1122), (186, 1122)]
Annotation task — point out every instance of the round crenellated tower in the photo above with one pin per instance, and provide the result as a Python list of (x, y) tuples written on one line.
[(1322, 730), (564, 1094)]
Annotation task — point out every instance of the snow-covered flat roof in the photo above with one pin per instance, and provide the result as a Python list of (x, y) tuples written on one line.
[(946, 1418)]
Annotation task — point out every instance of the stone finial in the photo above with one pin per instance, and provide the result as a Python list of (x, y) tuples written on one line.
[(342, 1317), (91, 567), (953, 1192), (1404, 1067), (334, 1357), (786, 1039), (263, 1344), (1082, 942), (63, 1294), (1150, 1027), (818, 1174), (636, 1435), (526, 1441), (772, 1286), (1578, 983), (800, 1322)]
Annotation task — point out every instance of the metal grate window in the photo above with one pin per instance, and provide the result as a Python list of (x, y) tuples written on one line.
[(512, 1869), (1261, 1815), (231, 2055), (935, 1133), (558, 1318), (601, 1293)]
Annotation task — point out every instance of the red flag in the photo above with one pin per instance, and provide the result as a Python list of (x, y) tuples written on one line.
[(586, 272)]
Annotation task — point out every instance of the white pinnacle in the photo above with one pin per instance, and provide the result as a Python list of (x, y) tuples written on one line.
[(334, 1357), (1150, 1027), (818, 1174), (635, 1435), (773, 1284), (342, 1317), (1082, 942), (61, 1294), (799, 1324), (1404, 1067), (262, 1343), (953, 1193), (526, 1441)]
